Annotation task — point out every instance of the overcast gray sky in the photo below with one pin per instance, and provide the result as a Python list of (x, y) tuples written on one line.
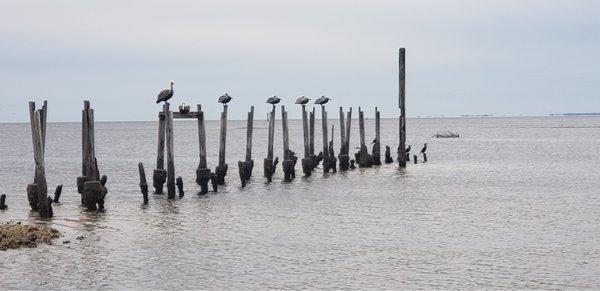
[(463, 57)]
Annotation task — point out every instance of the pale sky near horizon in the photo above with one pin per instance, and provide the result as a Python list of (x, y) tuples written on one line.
[(463, 57)]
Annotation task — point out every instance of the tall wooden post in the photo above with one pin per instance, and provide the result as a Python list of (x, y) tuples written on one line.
[(170, 157), (270, 164), (402, 105), (306, 161), (311, 148), (203, 172), (343, 157), (348, 130), (245, 167), (376, 152), (221, 169), (159, 176), (37, 193), (363, 157), (92, 189), (331, 154), (288, 157), (325, 140)]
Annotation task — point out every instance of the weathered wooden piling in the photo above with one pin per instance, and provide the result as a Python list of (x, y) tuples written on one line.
[(179, 183), (332, 159), (221, 169), (143, 183), (245, 167), (3, 202), (306, 161), (313, 158), (415, 158), (424, 157), (376, 151), (402, 105), (57, 193), (37, 193), (363, 157), (203, 173), (345, 126), (388, 155), (170, 157), (269, 162), (325, 140), (93, 191), (159, 176), (289, 162)]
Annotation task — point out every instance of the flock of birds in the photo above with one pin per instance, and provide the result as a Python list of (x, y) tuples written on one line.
[(167, 94), (184, 108)]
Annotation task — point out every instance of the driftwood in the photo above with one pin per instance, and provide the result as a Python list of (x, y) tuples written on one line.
[(245, 167), (221, 170), (402, 105), (203, 173), (143, 183)]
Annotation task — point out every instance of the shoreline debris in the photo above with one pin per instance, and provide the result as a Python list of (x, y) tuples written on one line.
[(14, 235)]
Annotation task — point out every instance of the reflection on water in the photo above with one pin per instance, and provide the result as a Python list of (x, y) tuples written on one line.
[(511, 204)]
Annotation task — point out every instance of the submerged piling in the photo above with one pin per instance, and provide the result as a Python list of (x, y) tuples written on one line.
[(306, 161), (170, 157), (221, 170), (325, 140), (93, 191), (143, 183), (289, 160), (269, 163), (376, 151), (363, 158), (3, 202), (159, 176), (57, 193)]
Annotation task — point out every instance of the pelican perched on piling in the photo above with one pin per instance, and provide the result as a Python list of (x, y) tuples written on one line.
[(166, 94), (273, 100), (322, 100), (408, 149), (225, 99), (302, 100), (424, 149), (184, 108)]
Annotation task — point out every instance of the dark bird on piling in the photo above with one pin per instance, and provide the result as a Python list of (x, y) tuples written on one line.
[(302, 100), (165, 95), (424, 148), (374, 140), (184, 108), (225, 99), (273, 100), (408, 149), (322, 100)]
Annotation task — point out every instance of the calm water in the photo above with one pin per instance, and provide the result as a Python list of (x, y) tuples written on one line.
[(513, 203)]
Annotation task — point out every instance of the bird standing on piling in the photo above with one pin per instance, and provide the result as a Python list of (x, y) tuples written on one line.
[(408, 149), (273, 100), (322, 100), (184, 108), (302, 100), (424, 149), (166, 94), (225, 98)]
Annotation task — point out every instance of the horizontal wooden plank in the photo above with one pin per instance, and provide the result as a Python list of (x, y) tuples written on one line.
[(190, 114)]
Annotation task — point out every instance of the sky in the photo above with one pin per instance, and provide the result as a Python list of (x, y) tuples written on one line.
[(506, 58)]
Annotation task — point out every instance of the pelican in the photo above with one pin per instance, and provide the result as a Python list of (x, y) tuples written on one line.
[(273, 100), (225, 99), (424, 148), (166, 94), (302, 100), (322, 100), (184, 108)]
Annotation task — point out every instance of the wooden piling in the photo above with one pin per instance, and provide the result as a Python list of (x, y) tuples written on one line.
[(402, 105), (325, 140), (313, 157), (376, 152), (57, 193), (415, 158), (388, 155), (3, 202), (143, 183), (288, 157), (245, 167), (363, 158), (221, 169), (269, 163), (92, 186), (424, 157), (203, 173), (331, 154), (179, 183), (159, 176), (170, 157), (343, 157), (306, 161), (44, 207)]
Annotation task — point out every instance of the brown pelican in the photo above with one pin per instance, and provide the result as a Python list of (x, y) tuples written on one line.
[(424, 148), (322, 100), (184, 108), (165, 95), (225, 99), (273, 100), (302, 100)]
